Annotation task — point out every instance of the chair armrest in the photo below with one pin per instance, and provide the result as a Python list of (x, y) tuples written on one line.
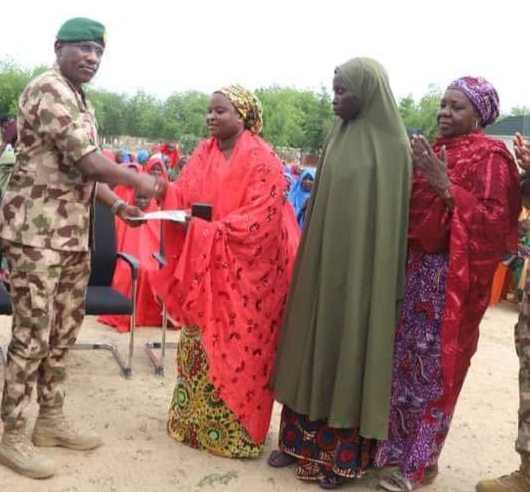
[(160, 258), (133, 263)]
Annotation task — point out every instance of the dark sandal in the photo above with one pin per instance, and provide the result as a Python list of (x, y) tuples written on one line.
[(330, 483), (279, 459), (430, 474)]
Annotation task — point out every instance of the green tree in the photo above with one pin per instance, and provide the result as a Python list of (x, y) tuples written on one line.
[(293, 118), (187, 113), (110, 112), (520, 111), (13, 80), (422, 114), (139, 107), (282, 117), (318, 119)]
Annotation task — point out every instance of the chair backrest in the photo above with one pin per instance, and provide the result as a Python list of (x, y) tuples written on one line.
[(104, 252)]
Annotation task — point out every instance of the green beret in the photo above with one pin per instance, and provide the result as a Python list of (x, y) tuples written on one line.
[(82, 29)]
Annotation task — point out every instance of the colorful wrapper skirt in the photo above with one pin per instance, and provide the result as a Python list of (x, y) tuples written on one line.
[(197, 416)]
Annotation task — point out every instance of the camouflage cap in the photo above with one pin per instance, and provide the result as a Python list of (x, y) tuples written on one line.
[(82, 29)]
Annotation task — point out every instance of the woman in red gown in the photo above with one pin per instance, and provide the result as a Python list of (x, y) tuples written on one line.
[(464, 213), (226, 281)]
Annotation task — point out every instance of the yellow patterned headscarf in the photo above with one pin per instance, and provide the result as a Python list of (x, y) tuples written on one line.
[(247, 104)]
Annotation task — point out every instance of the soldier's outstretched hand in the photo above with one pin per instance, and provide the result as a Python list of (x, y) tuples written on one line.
[(151, 186), (129, 211)]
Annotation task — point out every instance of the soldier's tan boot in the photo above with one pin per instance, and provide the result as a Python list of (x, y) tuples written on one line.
[(18, 453), (53, 429), (518, 481)]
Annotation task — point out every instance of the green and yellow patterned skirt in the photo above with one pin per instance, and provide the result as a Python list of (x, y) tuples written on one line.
[(197, 416)]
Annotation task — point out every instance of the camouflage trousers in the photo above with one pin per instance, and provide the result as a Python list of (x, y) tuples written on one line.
[(522, 346), (48, 292)]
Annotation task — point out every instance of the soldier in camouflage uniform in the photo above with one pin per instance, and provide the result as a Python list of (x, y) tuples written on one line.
[(45, 223), (519, 481)]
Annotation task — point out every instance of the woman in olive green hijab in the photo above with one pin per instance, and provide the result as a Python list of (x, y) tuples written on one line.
[(334, 361)]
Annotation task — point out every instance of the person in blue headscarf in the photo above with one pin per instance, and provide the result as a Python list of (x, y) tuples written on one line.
[(142, 157), (122, 157), (300, 193)]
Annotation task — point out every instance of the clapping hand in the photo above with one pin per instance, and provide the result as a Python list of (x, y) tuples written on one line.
[(434, 168), (522, 152)]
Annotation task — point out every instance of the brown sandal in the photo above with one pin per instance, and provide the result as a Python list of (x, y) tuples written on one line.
[(279, 459)]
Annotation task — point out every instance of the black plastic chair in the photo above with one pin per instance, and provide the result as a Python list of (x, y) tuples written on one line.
[(101, 298), (152, 347)]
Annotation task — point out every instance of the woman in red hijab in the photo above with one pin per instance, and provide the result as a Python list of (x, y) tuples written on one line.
[(170, 150), (156, 166), (226, 282), (464, 213), (139, 242)]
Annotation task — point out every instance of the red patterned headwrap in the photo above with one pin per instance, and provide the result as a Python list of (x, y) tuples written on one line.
[(482, 94)]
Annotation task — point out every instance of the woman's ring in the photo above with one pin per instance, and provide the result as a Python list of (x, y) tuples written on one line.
[(425, 153)]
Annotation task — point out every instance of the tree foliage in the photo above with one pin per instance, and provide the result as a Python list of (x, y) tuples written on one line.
[(297, 119), (520, 111), (293, 118), (13, 79), (421, 115)]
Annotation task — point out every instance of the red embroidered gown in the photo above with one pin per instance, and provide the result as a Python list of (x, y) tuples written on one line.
[(226, 283)]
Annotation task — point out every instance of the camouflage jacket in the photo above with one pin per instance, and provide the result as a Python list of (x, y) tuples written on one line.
[(47, 201)]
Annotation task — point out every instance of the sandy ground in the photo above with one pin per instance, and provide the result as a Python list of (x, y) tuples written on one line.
[(138, 455)]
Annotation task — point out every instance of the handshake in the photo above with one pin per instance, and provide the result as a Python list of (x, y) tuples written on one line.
[(150, 186)]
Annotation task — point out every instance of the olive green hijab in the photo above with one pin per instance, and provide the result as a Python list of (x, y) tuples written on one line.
[(335, 353)]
